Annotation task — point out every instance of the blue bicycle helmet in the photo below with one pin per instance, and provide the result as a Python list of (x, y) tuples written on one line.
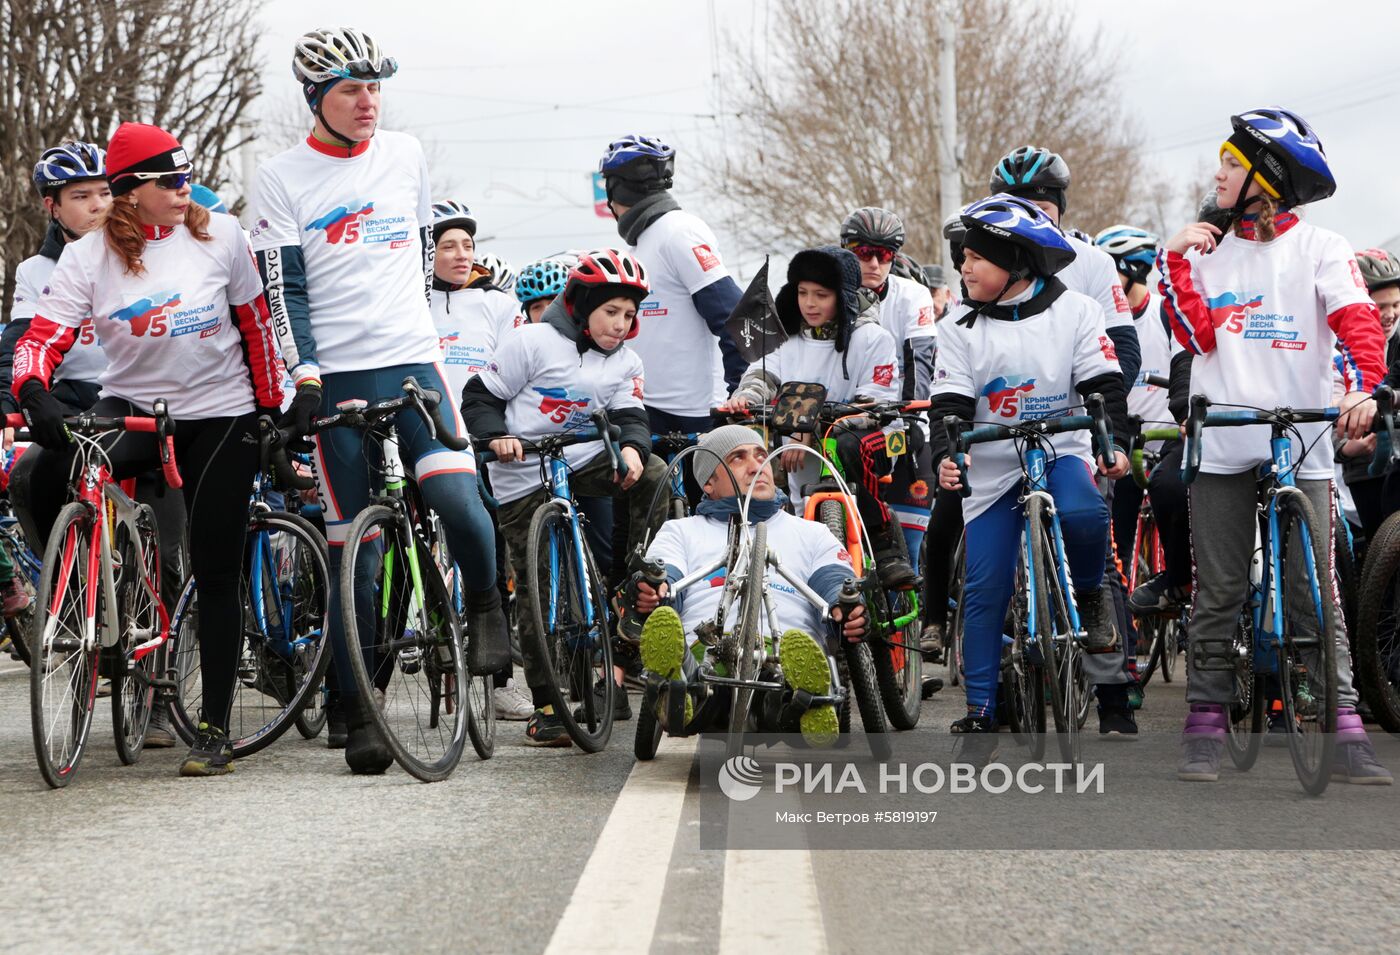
[(542, 279), (1036, 245), (1284, 155), (70, 162), (1134, 250), (1032, 172), (207, 198), (635, 166)]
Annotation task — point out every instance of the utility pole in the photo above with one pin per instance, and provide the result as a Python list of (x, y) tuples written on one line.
[(949, 154)]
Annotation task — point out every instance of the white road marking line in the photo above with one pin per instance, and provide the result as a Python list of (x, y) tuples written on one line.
[(614, 906), (770, 903)]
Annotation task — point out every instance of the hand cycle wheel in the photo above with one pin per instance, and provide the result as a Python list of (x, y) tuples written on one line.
[(1244, 730), (859, 667), (894, 649), (1377, 660), (283, 652), (747, 637), (1057, 642), (572, 646), (63, 675), (410, 638), (138, 614), (1307, 659)]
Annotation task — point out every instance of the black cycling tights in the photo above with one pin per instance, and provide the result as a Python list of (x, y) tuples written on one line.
[(218, 458)]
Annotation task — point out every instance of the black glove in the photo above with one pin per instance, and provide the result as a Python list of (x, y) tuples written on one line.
[(299, 416), (44, 413)]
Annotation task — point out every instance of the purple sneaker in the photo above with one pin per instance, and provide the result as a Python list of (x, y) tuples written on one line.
[(1356, 761), (1202, 743)]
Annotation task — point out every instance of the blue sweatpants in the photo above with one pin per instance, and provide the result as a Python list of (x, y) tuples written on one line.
[(446, 478), (993, 547)]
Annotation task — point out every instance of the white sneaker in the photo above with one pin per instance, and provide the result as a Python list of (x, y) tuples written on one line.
[(512, 703)]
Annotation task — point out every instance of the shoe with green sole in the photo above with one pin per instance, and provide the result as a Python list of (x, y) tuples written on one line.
[(805, 668)]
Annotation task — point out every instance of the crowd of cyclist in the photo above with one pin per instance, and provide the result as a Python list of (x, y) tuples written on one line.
[(358, 278)]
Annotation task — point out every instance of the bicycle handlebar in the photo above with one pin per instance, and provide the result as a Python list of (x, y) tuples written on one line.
[(157, 423), (272, 452), (425, 401), (1161, 381), (1200, 417), (959, 440), (551, 444)]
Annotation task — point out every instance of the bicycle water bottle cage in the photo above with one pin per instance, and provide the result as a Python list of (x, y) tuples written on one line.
[(351, 405), (798, 403)]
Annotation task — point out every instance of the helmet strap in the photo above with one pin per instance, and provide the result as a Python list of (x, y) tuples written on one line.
[(316, 110), (68, 233)]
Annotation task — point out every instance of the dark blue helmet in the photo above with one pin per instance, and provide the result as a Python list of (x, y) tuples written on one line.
[(639, 165), (1284, 154), (1019, 223), (70, 162), (1033, 172)]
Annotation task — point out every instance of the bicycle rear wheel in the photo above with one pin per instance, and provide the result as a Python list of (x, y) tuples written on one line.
[(20, 626), (1307, 659), (571, 626), (894, 648), (481, 690), (1377, 659), (312, 718), (1242, 738), (63, 674), (138, 612), (410, 645), (284, 652)]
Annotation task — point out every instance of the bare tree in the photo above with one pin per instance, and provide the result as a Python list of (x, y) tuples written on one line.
[(841, 111), (73, 69)]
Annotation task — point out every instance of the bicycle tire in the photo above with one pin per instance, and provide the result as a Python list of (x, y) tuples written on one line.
[(648, 738), (138, 588), (291, 674), (1313, 755), (1025, 692), (1347, 576), (953, 633), (1377, 660), (575, 648), (899, 670), (312, 718), (747, 638), (61, 621), (1043, 586), (1245, 722), (417, 650)]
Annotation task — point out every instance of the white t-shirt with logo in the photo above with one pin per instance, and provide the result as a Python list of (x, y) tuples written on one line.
[(1269, 304), (469, 322), (1093, 273), (907, 311), (1021, 371), (1149, 402), (549, 387), (677, 348), (85, 361), (693, 544), (357, 221), (167, 332)]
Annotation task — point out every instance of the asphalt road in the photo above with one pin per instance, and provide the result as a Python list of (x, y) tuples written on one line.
[(560, 851)]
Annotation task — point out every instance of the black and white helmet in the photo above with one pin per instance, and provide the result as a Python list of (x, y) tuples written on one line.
[(502, 275), (451, 214), (340, 53), (871, 225)]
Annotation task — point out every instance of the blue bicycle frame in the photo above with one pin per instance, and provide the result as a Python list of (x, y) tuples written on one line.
[(559, 491)]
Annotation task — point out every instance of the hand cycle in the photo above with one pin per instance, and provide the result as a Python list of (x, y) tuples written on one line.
[(24, 560), (1285, 648), (1160, 636), (283, 592), (99, 610), (1045, 651), (405, 626), (567, 592), (895, 615), (746, 660)]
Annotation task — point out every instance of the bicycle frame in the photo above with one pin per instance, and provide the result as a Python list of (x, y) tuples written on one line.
[(1036, 486), (558, 471)]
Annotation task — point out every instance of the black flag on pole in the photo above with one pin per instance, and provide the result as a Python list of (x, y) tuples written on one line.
[(754, 322)]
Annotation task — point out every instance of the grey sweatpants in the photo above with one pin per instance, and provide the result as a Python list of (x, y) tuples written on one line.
[(1223, 521)]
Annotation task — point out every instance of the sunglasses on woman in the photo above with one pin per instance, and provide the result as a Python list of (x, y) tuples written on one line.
[(876, 252), (167, 180)]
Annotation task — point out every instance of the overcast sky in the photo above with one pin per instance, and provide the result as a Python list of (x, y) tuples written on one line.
[(515, 102)]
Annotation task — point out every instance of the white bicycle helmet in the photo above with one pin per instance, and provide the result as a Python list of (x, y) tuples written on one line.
[(340, 53), (502, 275)]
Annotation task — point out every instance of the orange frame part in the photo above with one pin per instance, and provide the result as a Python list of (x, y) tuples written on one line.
[(853, 546)]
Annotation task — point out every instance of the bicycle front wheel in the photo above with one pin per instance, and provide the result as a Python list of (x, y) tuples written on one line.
[(746, 638), (1307, 657), (1057, 641), (894, 648), (138, 613), (63, 673), (283, 652), (409, 669), (571, 627)]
